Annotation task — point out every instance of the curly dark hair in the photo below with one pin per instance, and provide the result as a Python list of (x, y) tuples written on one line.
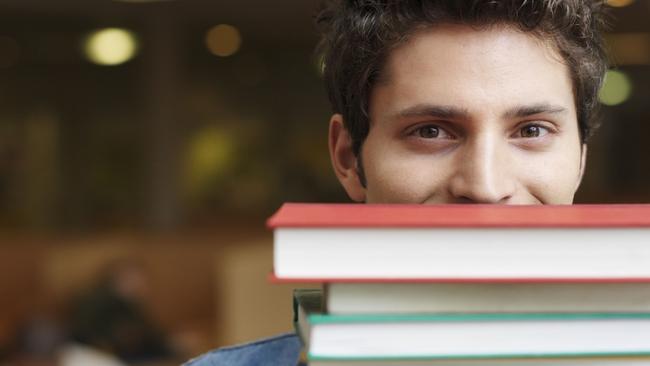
[(358, 35)]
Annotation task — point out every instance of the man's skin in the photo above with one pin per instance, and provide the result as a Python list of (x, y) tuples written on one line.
[(464, 115)]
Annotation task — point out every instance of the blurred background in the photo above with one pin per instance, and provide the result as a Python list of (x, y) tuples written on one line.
[(143, 144)]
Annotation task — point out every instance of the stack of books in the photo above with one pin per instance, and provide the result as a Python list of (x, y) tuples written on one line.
[(468, 284)]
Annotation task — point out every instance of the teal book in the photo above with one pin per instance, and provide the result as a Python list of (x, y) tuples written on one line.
[(471, 336)]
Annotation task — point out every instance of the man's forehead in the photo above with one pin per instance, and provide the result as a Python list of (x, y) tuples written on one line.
[(502, 72), (458, 42)]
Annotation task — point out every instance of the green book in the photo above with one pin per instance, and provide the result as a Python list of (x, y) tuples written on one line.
[(480, 336)]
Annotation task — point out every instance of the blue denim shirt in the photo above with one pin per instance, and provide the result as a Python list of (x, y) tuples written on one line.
[(281, 350)]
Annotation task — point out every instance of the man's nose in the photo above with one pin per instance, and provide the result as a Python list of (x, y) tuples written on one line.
[(483, 172)]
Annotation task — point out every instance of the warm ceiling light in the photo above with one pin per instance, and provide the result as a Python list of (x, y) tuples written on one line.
[(223, 40), (629, 48), (110, 46), (619, 3)]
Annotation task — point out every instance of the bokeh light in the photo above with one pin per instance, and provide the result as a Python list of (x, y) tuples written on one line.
[(617, 88), (110, 46), (223, 40), (629, 48), (619, 3), (209, 155)]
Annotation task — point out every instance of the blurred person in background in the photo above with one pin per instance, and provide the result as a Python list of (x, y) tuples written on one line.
[(43, 341), (111, 316), (38, 342), (448, 101)]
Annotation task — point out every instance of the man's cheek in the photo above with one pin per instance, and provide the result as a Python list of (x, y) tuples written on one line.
[(553, 182), (402, 182)]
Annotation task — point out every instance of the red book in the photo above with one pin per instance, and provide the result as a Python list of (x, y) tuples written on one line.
[(354, 242), (308, 215)]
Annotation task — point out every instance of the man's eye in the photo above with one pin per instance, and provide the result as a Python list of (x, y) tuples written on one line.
[(431, 132), (532, 131), (428, 132)]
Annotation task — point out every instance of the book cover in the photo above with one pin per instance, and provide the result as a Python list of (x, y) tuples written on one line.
[(493, 243), (399, 298), (409, 215), (467, 336)]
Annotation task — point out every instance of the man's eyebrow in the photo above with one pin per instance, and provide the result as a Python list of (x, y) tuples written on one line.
[(435, 111), (533, 109)]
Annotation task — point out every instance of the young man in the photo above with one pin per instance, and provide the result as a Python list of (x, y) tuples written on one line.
[(454, 101)]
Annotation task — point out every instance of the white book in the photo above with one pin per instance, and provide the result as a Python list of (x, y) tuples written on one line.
[(329, 242), (396, 298)]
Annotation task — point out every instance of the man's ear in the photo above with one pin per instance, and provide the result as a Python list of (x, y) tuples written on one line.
[(583, 163), (343, 159)]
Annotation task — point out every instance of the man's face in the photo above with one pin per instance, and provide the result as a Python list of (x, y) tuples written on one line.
[(464, 115)]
